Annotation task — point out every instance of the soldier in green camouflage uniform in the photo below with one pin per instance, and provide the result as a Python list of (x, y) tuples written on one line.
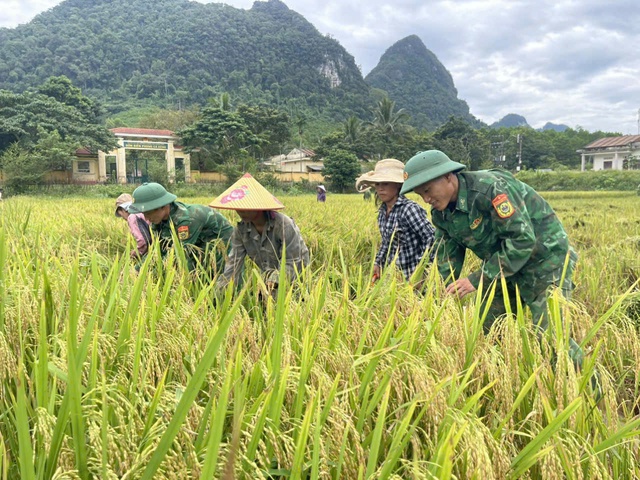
[(503, 221), (203, 232)]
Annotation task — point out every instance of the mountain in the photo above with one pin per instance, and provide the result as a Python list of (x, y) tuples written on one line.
[(554, 126), (177, 52), (416, 80), (515, 120), (511, 120)]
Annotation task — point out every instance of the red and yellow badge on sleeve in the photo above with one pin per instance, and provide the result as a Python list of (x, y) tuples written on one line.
[(183, 232), (504, 207)]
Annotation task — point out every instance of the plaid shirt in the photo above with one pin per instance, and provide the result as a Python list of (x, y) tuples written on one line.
[(407, 233)]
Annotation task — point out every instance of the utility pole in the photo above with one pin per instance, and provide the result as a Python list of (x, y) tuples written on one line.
[(498, 147), (519, 140)]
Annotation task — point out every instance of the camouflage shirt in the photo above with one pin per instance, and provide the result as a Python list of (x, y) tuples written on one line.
[(202, 231), (505, 223)]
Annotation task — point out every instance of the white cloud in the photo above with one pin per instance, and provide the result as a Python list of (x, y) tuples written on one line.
[(549, 60), (15, 12)]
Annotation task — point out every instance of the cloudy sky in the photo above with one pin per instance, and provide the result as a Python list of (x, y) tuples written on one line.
[(561, 61)]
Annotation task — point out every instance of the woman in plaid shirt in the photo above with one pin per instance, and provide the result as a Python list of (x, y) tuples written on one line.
[(404, 227)]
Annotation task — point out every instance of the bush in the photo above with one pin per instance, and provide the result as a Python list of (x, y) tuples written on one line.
[(341, 169), (20, 170), (157, 172), (571, 180)]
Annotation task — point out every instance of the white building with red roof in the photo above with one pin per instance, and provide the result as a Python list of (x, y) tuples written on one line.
[(612, 153)]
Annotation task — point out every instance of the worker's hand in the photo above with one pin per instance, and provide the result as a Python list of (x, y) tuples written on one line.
[(376, 274), (460, 287)]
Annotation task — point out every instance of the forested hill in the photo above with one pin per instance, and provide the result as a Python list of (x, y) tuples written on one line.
[(173, 52), (417, 81)]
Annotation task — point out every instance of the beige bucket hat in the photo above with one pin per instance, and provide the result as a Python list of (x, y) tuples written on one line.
[(387, 170), (123, 201), (246, 194)]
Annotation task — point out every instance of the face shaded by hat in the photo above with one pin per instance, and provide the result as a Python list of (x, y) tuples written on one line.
[(123, 201), (150, 196), (426, 166), (246, 194), (387, 170)]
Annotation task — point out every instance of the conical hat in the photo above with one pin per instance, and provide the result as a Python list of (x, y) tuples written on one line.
[(247, 194)]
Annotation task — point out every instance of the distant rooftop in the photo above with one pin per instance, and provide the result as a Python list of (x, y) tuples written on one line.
[(142, 132), (614, 141)]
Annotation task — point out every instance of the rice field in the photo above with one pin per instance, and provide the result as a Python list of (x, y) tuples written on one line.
[(113, 374)]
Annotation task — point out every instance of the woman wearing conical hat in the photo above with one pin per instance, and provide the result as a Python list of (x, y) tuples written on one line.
[(261, 234), (407, 234), (321, 193)]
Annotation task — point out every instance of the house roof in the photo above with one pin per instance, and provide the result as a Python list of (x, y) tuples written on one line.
[(142, 132), (622, 141), (305, 151), (296, 160)]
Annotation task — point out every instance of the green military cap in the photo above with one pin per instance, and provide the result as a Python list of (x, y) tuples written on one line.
[(150, 196), (426, 166)]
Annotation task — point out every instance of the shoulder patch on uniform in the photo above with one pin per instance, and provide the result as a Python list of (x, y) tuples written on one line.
[(503, 206), (475, 223), (183, 232)]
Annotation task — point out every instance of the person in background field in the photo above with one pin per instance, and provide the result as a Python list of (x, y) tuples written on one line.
[(513, 230), (407, 234), (366, 194), (321, 193), (138, 225), (1, 192), (203, 232), (261, 235)]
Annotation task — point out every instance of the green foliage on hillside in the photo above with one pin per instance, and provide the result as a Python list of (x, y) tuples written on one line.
[(416, 80), (174, 53)]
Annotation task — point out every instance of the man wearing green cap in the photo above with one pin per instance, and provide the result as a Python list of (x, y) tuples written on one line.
[(513, 230), (202, 231)]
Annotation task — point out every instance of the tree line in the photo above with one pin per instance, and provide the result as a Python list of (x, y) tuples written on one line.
[(41, 129)]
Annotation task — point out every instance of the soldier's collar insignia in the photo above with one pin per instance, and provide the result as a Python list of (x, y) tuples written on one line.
[(503, 206), (475, 223)]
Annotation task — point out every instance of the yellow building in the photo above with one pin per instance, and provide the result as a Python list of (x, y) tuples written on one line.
[(105, 166)]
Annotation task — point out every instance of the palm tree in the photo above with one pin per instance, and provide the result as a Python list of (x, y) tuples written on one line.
[(352, 129), (388, 127), (300, 122), (386, 119), (223, 102)]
